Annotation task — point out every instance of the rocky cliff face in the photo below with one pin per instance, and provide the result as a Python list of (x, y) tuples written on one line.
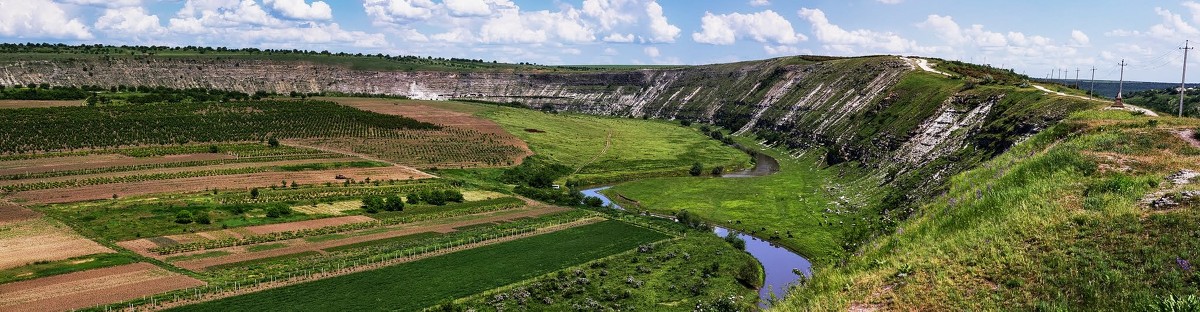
[(798, 102)]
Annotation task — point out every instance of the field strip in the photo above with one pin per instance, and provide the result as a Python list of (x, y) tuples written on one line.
[(38, 103), (300, 245), (143, 245), (89, 288), (181, 169), (196, 184), (10, 212), (331, 150), (355, 269), (42, 240), (40, 165)]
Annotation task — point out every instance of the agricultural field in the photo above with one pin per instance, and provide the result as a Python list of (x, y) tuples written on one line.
[(425, 283), (92, 287)]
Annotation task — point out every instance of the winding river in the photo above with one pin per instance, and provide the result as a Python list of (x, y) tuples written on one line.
[(780, 265)]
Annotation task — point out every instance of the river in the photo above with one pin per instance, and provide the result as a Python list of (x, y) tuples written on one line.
[(780, 265)]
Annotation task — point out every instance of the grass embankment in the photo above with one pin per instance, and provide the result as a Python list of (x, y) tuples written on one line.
[(75, 264), (1055, 223), (420, 284), (608, 149)]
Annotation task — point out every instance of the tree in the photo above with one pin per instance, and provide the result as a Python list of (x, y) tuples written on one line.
[(394, 203), (697, 169), (718, 170), (183, 217), (213, 149), (254, 193), (203, 218), (736, 241), (414, 198), (372, 204), (273, 142), (592, 201), (294, 185)]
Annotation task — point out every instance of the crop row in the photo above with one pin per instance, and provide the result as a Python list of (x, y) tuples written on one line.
[(148, 177), (194, 163), (66, 128), (329, 194), (234, 149), (256, 239)]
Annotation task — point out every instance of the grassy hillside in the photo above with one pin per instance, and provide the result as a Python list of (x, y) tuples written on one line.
[(1057, 222)]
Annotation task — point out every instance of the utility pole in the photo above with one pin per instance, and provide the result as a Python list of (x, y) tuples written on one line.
[(1077, 78), (1092, 89), (1121, 85), (1183, 78)]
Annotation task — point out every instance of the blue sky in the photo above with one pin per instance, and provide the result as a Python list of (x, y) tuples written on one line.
[(1032, 37)]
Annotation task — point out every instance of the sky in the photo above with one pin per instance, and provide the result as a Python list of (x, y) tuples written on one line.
[(1035, 38)]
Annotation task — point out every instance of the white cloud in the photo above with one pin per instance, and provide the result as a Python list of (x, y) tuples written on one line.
[(514, 26), (297, 9), (39, 19), (890, 1), (651, 52), (765, 26), (130, 21), (1079, 38), (627, 38), (610, 51), (104, 3), (834, 38), (760, 2), (660, 29), (468, 7), (399, 11), (785, 50)]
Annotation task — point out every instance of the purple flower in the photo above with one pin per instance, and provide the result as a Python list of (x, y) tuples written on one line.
[(1183, 264)]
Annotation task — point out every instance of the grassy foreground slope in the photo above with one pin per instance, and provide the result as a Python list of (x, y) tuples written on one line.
[(416, 285), (1058, 222)]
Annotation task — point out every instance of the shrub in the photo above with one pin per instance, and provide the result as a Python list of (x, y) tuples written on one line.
[(203, 218), (183, 217), (735, 241), (697, 169)]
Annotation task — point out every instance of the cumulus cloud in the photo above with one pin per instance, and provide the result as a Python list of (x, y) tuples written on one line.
[(834, 37), (399, 11), (651, 52), (1079, 38), (468, 7), (104, 3), (131, 21), (626, 38), (297, 9), (765, 26), (39, 19)]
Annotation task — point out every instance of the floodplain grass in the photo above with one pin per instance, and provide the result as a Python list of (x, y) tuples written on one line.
[(635, 148), (424, 283), (1055, 223), (74, 264), (788, 207)]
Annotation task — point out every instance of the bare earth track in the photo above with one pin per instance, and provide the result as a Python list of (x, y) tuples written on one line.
[(90, 288), (196, 184)]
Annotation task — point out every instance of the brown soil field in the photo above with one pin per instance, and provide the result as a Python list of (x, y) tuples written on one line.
[(142, 246), (180, 169), (95, 192), (428, 113), (33, 240), (38, 103), (39, 165), (90, 288), (10, 212), (239, 254)]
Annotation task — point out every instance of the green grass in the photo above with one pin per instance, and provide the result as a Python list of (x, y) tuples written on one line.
[(262, 260), (639, 148), (386, 241), (209, 254), (416, 285), (265, 247), (666, 272), (45, 269), (127, 219), (1048, 225), (794, 199), (475, 226)]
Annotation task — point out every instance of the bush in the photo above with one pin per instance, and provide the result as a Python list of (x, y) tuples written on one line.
[(735, 241), (749, 275), (592, 201), (395, 203), (273, 142), (697, 169), (278, 211), (183, 217), (203, 218), (718, 170)]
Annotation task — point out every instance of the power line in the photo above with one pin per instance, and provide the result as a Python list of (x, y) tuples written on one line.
[(1183, 78)]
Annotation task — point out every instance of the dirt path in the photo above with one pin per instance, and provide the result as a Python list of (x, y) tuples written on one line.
[(38, 103), (196, 184), (607, 144), (923, 64), (1128, 107), (1188, 135), (240, 254), (90, 288)]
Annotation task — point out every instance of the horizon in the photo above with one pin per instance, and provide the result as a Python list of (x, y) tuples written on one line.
[(645, 32)]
